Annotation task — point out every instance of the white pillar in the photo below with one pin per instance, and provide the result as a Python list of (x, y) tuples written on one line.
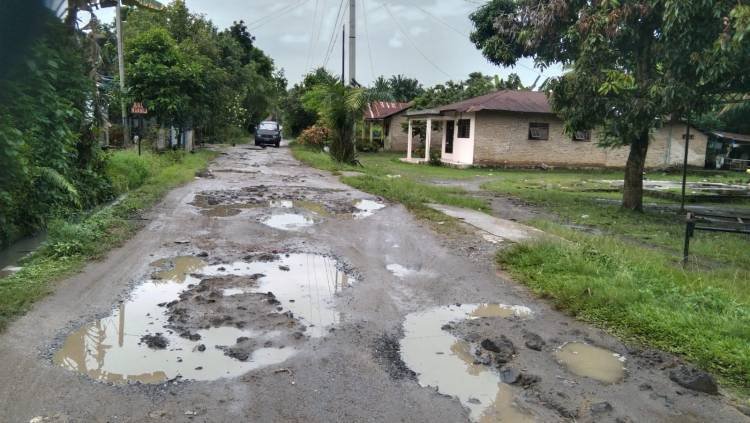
[(427, 139), (189, 140), (408, 142)]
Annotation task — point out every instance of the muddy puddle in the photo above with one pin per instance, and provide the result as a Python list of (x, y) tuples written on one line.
[(593, 362), (288, 221), (365, 208), (162, 331), (443, 361)]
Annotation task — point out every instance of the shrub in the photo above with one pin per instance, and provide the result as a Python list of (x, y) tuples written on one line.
[(316, 136)]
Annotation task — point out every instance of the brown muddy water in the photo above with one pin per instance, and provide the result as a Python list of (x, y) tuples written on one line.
[(110, 349), (590, 361), (444, 361)]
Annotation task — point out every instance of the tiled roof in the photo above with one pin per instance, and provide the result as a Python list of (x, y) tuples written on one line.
[(384, 109), (504, 100)]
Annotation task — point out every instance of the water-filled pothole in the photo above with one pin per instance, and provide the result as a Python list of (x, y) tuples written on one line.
[(288, 221), (205, 322), (444, 361), (366, 208), (593, 362)]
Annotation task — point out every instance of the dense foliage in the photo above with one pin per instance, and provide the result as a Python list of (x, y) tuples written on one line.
[(189, 74), (631, 62), (49, 157), (316, 136), (338, 108), (295, 116), (396, 88)]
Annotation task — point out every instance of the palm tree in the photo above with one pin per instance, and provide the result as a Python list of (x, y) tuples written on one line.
[(338, 108)]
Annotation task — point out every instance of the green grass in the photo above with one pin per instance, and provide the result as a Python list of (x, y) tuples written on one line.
[(626, 276), (703, 316), (377, 178), (71, 244)]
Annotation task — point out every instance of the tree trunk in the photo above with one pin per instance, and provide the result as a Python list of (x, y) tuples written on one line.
[(632, 194)]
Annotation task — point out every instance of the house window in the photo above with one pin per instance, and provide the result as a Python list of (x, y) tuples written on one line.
[(464, 128), (538, 131), (582, 136)]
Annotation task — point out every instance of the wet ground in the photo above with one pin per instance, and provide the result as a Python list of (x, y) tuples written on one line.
[(269, 291)]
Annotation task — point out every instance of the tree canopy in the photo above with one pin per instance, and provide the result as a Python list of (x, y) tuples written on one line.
[(631, 63)]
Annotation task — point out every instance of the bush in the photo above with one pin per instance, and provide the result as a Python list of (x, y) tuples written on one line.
[(316, 136), (127, 170)]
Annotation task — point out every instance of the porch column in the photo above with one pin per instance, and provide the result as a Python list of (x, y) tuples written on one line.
[(427, 139), (370, 133), (408, 142)]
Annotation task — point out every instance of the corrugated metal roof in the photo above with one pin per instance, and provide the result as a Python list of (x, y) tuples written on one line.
[(384, 109), (732, 136), (504, 100)]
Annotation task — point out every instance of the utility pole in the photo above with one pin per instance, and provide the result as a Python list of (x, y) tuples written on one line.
[(343, 49), (352, 41), (121, 66)]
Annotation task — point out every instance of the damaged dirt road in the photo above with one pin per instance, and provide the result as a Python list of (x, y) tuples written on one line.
[(269, 291)]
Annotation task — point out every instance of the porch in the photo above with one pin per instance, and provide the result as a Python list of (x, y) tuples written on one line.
[(455, 135)]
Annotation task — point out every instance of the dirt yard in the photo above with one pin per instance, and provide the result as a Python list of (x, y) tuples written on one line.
[(266, 290)]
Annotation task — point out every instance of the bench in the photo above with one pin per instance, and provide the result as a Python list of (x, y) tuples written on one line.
[(713, 222)]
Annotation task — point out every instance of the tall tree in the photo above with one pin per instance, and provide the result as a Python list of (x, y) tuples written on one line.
[(632, 62), (404, 88)]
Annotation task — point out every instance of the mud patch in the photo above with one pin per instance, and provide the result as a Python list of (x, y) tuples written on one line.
[(444, 361), (182, 325), (592, 362)]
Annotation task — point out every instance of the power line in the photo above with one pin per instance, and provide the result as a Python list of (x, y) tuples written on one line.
[(430, 14), (273, 16), (367, 35), (312, 35), (334, 31), (465, 35), (414, 45)]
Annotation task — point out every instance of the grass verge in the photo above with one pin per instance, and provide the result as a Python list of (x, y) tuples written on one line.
[(644, 297), (376, 178), (71, 244)]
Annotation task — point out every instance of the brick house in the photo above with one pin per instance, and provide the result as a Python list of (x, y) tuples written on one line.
[(383, 121), (518, 128)]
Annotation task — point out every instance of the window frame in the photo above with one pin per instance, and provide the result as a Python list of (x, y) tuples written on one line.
[(538, 125), (468, 128), (586, 137)]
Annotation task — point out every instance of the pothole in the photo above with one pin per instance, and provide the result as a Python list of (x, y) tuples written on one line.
[(593, 362), (288, 221), (403, 272), (204, 322), (444, 361), (366, 208)]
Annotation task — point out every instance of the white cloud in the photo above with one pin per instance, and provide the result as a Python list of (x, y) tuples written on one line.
[(396, 41), (295, 38)]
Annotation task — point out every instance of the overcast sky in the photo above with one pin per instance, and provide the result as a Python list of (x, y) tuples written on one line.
[(390, 36)]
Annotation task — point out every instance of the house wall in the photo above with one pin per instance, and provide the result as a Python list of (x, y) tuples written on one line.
[(501, 138), (397, 137)]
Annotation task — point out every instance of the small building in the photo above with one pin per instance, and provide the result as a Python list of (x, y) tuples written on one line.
[(728, 150), (518, 128), (383, 121)]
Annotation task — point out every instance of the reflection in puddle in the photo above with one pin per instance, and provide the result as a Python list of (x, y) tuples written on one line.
[(281, 204), (366, 208), (400, 271), (308, 288), (288, 221), (110, 349), (500, 310), (442, 360), (590, 361), (181, 267)]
